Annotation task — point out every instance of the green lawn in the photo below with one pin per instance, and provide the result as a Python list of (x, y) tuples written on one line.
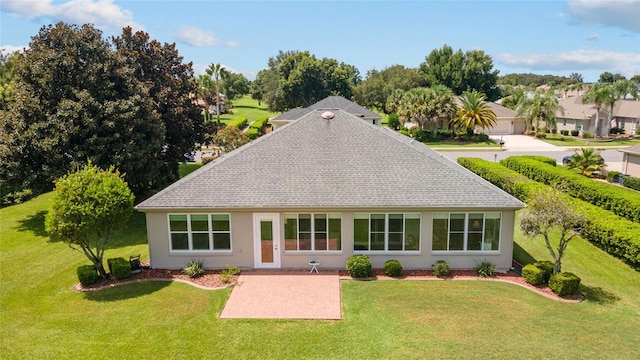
[(560, 140), (443, 145), (42, 317), (248, 107)]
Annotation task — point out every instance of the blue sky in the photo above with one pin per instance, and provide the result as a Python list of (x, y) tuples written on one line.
[(543, 36)]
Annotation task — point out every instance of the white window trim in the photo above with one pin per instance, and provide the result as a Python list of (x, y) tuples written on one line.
[(386, 250), (189, 232), (466, 233), (313, 234)]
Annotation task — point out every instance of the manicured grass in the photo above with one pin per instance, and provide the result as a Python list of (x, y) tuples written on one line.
[(560, 140), (188, 168), (41, 316), (248, 107), (462, 144)]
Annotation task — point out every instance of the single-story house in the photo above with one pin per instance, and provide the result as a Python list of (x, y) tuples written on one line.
[(327, 186), (331, 102), (631, 160), (507, 123), (582, 117)]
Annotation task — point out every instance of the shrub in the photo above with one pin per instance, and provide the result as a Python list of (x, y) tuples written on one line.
[(575, 132), (16, 197), (392, 268), (587, 135), (615, 130), (393, 121), (253, 133), (404, 132), (533, 275), (260, 123), (239, 122), (228, 272), (544, 159), (564, 132), (541, 135), (195, 268), (564, 283), (207, 159), (87, 274), (480, 137), (486, 269), (613, 176), (441, 269), (546, 267), (359, 266), (119, 268), (631, 182)]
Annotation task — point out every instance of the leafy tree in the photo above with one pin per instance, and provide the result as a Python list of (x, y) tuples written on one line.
[(542, 106), (607, 77), (234, 85), (577, 77), (474, 112), (621, 89), (460, 71), (230, 138), (88, 206), (77, 100), (587, 161), (534, 80), (546, 213), (635, 79), (7, 79), (374, 91), (171, 88)]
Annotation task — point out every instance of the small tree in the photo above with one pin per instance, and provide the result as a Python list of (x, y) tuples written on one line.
[(546, 212), (230, 138), (88, 206), (587, 161)]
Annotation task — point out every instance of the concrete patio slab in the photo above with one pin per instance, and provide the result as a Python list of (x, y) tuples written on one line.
[(284, 295)]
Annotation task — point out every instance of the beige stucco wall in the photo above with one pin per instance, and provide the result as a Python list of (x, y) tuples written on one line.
[(631, 165), (242, 254)]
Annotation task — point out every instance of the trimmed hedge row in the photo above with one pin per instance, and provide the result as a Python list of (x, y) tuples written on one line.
[(616, 235), (621, 201), (260, 122), (544, 159), (239, 122), (631, 182)]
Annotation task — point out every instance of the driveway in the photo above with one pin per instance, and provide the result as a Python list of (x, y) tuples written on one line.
[(284, 295), (524, 143)]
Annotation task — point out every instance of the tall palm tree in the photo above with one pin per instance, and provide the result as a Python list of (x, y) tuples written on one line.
[(598, 94), (517, 97), (205, 92), (587, 161), (474, 112), (444, 103), (543, 105), (621, 88), (216, 71), (414, 106)]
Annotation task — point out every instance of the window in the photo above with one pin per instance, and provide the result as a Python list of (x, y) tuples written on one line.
[(312, 232), (466, 232), (200, 232), (386, 232)]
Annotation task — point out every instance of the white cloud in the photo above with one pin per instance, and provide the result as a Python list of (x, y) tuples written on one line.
[(593, 37), (624, 14), (197, 37), (104, 14), (194, 36), (9, 49), (627, 64)]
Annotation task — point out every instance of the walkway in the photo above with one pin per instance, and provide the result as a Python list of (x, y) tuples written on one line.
[(284, 295)]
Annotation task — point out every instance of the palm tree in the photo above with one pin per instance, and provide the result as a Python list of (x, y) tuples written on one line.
[(543, 105), (598, 94), (444, 103), (216, 70), (474, 112), (621, 88), (205, 92), (517, 97), (587, 161), (414, 106)]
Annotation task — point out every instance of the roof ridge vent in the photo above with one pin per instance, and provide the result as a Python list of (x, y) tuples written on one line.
[(328, 115)]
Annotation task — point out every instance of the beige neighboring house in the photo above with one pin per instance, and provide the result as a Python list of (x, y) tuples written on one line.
[(331, 102), (631, 161), (325, 187), (507, 124), (582, 117)]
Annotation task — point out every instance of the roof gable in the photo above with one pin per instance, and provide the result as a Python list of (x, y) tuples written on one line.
[(342, 162), (330, 102)]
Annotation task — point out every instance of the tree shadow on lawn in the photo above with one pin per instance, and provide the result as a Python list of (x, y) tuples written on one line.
[(126, 291), (34, 223), (598, 295)]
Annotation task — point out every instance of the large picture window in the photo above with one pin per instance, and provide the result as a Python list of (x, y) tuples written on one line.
[(466, 231), (312, 232), (386, 232), (200, 232)]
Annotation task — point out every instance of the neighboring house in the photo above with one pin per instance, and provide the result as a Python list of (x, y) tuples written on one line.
[(631, 160), (331, 102), (327, 186), (582, 117), (507, 123)]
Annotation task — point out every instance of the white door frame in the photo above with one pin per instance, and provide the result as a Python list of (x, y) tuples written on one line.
[(257, 242)]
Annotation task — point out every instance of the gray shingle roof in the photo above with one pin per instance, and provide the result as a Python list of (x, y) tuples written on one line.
[(635, 150), (331, 102), (343, 162)]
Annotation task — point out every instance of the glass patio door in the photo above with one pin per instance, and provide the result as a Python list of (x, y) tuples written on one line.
[(266, 235)]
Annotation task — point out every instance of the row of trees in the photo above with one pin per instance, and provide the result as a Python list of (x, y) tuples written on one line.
[(77, 97)]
